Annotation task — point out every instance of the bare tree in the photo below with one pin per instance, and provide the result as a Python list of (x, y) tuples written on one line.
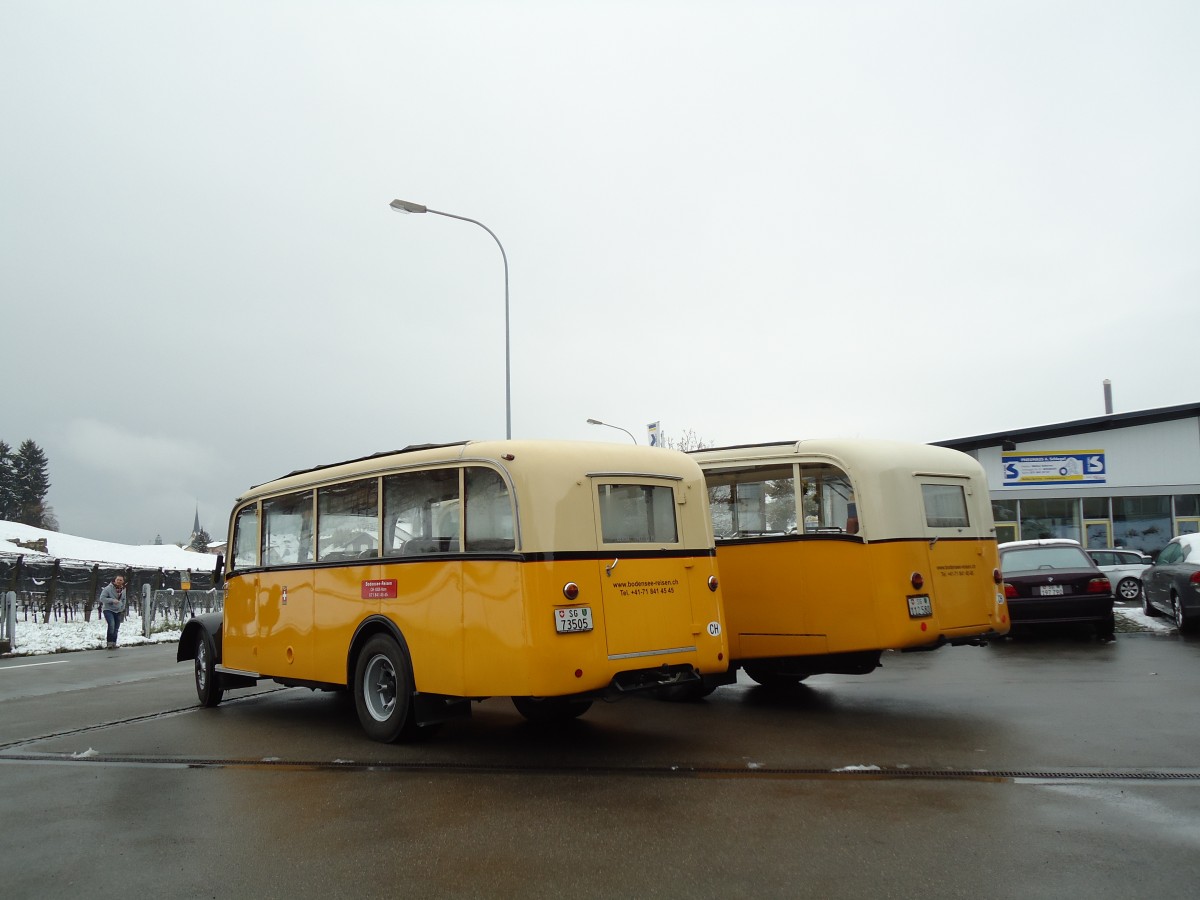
[(689, 440)]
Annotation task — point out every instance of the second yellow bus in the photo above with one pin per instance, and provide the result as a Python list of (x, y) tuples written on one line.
[(832, 551)]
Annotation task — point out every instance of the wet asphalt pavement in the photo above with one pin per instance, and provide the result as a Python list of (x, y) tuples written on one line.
[(1041, 767)]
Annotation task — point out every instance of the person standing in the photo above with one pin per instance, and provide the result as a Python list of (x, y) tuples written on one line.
[(112, 605)]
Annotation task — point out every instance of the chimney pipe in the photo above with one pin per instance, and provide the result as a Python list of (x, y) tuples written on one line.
[(1108, 397)]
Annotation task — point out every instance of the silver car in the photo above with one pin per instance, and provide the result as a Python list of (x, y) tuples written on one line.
[(1124, 569)]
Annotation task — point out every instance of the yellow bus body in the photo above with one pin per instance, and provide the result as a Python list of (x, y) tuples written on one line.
[(483, 624), (810, 589)]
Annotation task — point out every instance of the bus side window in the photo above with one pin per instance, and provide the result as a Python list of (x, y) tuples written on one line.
[(287, 529), (348, 520), (245, 539), (828, 499), (489, 518), (420, 512), (752, 502)]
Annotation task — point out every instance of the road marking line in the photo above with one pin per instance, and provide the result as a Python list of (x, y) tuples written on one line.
[(57, 662)]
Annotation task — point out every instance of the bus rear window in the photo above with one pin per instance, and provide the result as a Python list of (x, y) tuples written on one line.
[(945, 505), (637, 514)]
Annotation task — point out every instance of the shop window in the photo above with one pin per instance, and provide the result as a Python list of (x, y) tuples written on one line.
[(1142, 523), (1052, 518)]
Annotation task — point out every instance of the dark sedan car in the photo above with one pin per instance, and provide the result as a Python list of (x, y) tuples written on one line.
[(1172, 584), (1053, 582)]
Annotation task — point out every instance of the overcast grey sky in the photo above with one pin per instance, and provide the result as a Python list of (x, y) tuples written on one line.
[(755, 220)]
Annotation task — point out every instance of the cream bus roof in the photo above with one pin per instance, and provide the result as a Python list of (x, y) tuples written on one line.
[(850, 453), (545, 475)]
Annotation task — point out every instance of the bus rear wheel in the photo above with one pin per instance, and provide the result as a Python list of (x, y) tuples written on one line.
[(551, 709), (208, 686), (383, 690), (769, 677)]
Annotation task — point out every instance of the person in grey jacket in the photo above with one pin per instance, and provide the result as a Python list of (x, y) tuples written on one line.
[(112, 604)]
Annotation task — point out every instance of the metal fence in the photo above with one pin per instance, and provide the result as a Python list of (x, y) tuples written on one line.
[(160, 610), (166, 608)]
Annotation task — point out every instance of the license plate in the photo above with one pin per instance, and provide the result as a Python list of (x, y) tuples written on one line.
[(573, 618), (919, 606), (1052, 590)]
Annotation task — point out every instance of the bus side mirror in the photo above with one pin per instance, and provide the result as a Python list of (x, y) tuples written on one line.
[(219, 571)]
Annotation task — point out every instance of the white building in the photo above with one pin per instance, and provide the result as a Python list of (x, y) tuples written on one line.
[(1127, 480)]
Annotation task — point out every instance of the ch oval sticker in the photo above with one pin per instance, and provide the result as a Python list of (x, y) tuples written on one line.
[(714, 628)]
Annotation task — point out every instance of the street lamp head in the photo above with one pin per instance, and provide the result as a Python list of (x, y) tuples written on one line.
[(609, 425), (405, 207)]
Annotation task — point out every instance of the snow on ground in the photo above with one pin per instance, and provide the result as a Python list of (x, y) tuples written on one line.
[(1131, 618), (60, 637), (65, 546)]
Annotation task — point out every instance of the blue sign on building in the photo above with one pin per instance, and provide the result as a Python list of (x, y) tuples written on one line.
[(1055, 467)]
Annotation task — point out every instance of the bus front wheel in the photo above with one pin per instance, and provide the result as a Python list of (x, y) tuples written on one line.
[(383, 690), (208, 687), (550, 709)]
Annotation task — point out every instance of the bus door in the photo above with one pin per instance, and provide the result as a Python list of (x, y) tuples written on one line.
[(284, 613), (645, 575), (960, 552), (241, 593)]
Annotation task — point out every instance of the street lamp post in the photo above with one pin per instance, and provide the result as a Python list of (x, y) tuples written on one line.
[(618, 427), (405, 207)]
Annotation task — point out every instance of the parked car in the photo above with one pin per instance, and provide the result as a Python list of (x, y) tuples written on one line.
[(1124, 569), (1054, 581), (1172, 584)]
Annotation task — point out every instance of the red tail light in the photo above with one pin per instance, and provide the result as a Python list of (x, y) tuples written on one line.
[(1010, 592), (918, 581), (996, 575), (1194, 580), (1099, 586), (712, 582), (571, 590)]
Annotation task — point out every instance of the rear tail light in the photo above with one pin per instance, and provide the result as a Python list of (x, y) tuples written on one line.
[(918, 580), (571, 590), (1010, 592), (1099, 586), (996, 575), (1194, 580), (712, 582)]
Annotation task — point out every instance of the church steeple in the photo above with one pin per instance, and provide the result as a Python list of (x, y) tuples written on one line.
[(196, 526)]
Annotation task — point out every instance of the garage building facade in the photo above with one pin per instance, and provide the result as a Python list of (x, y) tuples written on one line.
[(1127, 480)]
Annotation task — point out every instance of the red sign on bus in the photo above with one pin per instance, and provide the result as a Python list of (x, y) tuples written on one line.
[(379, 590)]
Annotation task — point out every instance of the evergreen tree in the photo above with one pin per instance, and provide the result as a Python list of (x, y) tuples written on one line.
[(8, 494), (200, 541), (31, 483)]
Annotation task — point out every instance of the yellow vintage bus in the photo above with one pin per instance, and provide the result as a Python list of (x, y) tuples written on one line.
[(549, 572), (832, 551)]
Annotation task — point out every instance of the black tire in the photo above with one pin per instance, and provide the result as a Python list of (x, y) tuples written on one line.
[(208, 682), (551, 709), (1182, 621), (383, 688), (685, 693), (1129, 589), (768, 677), (1149, 608)]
